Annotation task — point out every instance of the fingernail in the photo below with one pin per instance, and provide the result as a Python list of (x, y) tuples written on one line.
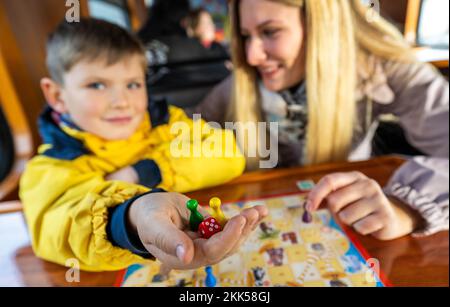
[(180, 252), (308, 205)]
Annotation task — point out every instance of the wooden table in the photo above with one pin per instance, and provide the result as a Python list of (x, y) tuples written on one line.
[(406, 262)]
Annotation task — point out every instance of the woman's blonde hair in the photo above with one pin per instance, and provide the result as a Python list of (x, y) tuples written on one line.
[(339, 37)]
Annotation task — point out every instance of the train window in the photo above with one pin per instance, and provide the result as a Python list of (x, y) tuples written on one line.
[(433, 24), (114, 11), (217, 8), (149, 3)]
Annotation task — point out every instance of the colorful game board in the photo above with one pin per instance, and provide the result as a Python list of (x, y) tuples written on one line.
[(283, 251)]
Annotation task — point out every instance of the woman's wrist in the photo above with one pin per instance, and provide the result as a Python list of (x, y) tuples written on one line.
[(409, 219)]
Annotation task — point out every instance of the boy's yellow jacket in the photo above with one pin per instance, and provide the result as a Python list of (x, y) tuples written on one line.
[(66, 197)]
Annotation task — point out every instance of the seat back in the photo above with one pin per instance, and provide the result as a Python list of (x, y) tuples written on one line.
[(185, 84), (6, 147)]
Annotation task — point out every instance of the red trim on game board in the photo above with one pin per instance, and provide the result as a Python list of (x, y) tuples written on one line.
[(120, 278), (350, 234)]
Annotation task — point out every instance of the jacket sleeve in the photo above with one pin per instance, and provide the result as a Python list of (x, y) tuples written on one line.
[(422, 183), (421, 105), (66, 209), (194, 155)]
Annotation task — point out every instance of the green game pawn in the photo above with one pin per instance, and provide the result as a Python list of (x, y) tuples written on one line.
[(196, 218)]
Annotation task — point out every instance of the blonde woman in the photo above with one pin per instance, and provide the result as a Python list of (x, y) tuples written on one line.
[(326, 70)]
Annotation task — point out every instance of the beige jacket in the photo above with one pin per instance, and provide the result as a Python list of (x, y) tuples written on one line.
[(418, 97)]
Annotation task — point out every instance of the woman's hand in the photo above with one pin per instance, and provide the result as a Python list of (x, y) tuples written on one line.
[(162, 223), (359, 202)]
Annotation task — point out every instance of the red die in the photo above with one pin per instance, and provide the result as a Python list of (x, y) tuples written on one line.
[(209, 227)]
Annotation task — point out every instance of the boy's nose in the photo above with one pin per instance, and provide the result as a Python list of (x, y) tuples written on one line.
[(120, 100), (255, 52)]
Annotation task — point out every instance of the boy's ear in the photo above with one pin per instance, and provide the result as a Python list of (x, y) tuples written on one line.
[(52, 93)]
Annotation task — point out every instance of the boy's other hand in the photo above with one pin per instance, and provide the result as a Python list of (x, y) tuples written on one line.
[(162, 223), (127, 174)]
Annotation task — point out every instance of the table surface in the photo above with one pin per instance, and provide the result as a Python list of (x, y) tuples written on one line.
[(406, 262)]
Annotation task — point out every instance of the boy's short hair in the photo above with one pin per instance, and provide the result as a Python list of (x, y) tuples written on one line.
[(89, 40)]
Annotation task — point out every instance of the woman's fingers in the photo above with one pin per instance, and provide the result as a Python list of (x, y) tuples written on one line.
[(357, 211), (370, 224), (349, 194), (329, 184), (353, 197)]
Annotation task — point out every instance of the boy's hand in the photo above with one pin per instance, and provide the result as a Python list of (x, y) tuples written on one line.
[(360, 202), (127, 174), (162, 223)]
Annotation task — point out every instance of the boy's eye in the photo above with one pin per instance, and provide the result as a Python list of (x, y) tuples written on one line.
[(96, 86), (134, 85)]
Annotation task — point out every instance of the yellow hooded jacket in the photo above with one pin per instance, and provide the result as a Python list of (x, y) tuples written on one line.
[(66, 197)]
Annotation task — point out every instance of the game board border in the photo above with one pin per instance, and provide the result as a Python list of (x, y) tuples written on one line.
[(350, 234)]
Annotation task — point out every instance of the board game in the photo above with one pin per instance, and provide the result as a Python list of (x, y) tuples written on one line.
[(282, 251)]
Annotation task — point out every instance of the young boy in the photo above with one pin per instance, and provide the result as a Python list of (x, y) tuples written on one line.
[(86, 194)]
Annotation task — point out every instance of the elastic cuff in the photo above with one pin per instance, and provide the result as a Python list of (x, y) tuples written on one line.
[(436, 218), (148, 173), (119, 232)]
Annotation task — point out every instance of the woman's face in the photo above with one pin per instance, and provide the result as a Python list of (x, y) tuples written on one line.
[(274, 42)]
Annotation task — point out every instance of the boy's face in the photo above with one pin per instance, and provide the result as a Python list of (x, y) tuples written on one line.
[(108, 101)]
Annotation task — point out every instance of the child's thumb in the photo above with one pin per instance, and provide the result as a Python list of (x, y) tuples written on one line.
[(166, 236)]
